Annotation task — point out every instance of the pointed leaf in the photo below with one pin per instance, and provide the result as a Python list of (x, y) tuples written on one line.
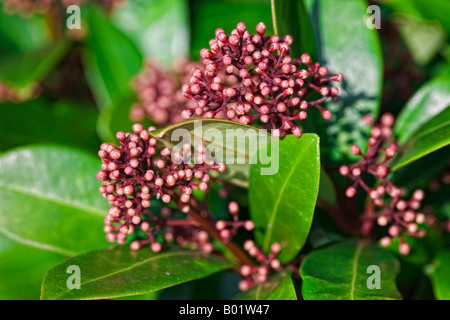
[(118, 272), (434, 135), (340, 272), (430, 100), (282, 204)]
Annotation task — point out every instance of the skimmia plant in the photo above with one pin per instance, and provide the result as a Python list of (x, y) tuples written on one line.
[(272, 162)]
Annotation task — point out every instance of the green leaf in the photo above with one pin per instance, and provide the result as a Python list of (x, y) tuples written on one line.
[(118, 272), (432, 136), (229, 142), (160, 29), (22, 269), (282, 204), (207, 16), (340, 272), (278, 287), (110, 59), (70, 124), (345, 45), (289, 17), (439, 273), (430, 100), (50, 199), (21, 71)]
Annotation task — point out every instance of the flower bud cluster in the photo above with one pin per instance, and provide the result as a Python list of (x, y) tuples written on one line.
[(393, 210), (270, 85)]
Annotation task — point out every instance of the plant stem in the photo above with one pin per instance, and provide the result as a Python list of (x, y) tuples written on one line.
[(209, 227)]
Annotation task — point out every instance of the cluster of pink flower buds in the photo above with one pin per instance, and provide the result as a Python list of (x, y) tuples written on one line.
[(392, 209), (159, 92), (254, 275), (135, 172), (269, 86)]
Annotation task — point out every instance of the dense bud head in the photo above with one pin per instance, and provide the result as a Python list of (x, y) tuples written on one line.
[(233, 207), (255, 69)]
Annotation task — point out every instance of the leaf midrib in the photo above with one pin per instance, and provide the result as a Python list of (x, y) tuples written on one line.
[(159, 256), (355, 269), (277, 203)]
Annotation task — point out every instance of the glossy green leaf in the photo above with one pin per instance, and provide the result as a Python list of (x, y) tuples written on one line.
[(229, 142), (71, 124), (278, 287), (23, 70), (49, 199), (282, 201), (434, 135), (111, 60), (207, 16), (118, 271), (346, 45), (22, 270), (159, 29), (340, 272), (430, 100), (289, 17), (425, 169), (439, 273)]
